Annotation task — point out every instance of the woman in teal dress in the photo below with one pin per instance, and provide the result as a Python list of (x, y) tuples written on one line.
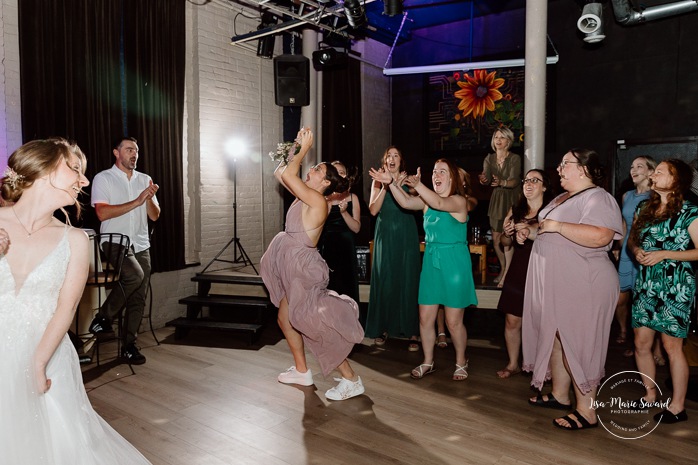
[(392, 305), (663, 239), (447, 275)]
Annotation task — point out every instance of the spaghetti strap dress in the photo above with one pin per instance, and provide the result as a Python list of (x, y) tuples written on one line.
[(293, 268), (58, 427), (392, 303)]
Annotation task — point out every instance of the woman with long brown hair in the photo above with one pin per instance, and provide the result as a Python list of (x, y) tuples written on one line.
[(663, 240)]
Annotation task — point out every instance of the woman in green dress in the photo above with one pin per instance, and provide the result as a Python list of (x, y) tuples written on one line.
[(447, 275), (663, 239), (392, 305), (502, 171)]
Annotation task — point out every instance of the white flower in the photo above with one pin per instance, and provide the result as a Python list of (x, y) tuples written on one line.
[(285, 151)]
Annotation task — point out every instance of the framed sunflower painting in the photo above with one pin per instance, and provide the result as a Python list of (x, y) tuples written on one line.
[(464, 109)]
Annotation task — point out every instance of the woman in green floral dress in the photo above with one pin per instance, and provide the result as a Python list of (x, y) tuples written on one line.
[(663, 240)]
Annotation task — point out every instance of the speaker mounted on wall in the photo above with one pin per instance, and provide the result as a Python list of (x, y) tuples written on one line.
[(291, 83)]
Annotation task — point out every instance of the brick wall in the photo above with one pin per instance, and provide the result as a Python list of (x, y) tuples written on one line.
[(229, 94), (10, 114)]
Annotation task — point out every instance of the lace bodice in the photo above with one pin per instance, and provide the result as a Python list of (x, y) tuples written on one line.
[(29, 311)]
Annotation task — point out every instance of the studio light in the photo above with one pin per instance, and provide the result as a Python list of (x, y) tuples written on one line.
[(329, 57), (265, 45), (354, 12), (392, 7), (590, 23)]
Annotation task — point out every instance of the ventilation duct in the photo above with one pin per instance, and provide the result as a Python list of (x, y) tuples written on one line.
[(625, 15)]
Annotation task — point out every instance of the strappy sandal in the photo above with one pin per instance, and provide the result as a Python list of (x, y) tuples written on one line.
[(461, 373), (578, 422), (442, 344), (381, 340), (422, 370)]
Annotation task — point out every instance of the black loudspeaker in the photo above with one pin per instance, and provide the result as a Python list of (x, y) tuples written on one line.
[(291, 85)]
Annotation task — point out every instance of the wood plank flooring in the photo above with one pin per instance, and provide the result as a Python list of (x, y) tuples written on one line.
[(211, 399)]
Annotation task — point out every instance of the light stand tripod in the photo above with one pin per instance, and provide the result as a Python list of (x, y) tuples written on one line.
[(240, 257)]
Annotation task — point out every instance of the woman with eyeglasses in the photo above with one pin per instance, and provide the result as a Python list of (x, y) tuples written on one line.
[(571, 290), (663, 240), (523, 215), (502, 171), (296, 277)]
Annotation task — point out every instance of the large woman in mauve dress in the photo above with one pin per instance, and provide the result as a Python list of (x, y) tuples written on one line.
[(571, 290), (392, 304), (296, 276)]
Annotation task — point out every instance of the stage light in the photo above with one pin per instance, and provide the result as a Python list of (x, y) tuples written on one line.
[(265, 45), (354, 12), (392, 7), (591, 23), (329, 57), (235, 148)]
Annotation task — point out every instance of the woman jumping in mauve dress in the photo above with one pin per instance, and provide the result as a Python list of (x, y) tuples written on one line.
[(296, 276), (45, 415)]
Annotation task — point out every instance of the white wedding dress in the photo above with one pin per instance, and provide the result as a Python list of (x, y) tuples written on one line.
[(60, 426)]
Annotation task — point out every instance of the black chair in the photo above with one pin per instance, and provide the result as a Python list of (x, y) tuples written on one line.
[(107, 276)]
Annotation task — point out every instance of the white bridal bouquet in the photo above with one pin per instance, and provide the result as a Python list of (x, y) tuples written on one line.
[(285, 151)]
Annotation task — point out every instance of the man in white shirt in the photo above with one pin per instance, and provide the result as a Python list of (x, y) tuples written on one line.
[(124, 199)]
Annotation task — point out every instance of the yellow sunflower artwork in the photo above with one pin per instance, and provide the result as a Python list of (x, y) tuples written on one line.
[(478, 93)]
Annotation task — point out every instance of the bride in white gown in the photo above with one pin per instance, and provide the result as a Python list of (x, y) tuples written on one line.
[(45, 415)]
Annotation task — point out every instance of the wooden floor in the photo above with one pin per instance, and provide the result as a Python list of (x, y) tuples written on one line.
[(210, 399)]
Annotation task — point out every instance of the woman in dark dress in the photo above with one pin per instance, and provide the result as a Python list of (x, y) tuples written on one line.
[(523, 214), (337, 245), (392, 305)]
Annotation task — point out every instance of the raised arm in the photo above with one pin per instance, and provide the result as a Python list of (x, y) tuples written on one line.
[(295, 185), (353, 221), (456, 205), (378, 193), (403, 199)]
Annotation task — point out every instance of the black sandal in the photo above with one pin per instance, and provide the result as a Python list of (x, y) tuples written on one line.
[(550, 403), (579, 418)]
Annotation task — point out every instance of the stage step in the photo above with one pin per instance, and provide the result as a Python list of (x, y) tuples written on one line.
[(205, 280), (183, 325)]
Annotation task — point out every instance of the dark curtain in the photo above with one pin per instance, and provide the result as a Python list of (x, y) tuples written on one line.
[(154, 68), (341, 113), (76, 85)]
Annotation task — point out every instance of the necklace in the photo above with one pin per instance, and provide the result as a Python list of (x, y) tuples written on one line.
[(557, 205), (29, 233)]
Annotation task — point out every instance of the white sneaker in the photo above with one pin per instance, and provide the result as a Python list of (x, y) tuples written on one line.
[(346, 389), (293, 376)]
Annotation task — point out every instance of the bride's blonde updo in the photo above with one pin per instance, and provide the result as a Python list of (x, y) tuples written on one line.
[(33, 160)]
